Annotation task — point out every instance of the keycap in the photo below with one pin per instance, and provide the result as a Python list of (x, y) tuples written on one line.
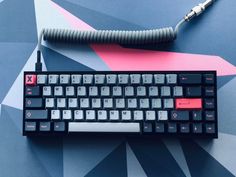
[(150, 115), (147, 127), (78, 115), (33, 102), (138, 115), (84, 103), (44, 126), (120, 103), (188, 103), (87, 79), (90, 115), (197, 115), (135, 78), (47, 90), (99, 78), (172, 127), (184, 128), (59, 126), (141, 91), (64, 79), (114, 115), (66, 114), (129, 91), (168, 103), (49, 103), (32, 91), (144, 103), (210, 128), (156, 103), (178, 91), (81, 91), (53, 79), (111, 78), (193, 91), (162, 115), (117, 91), (70, 91), (76, 78), (72, 102), (36, 114), (55, 115), (93, 91), (61, 102), (160, 127), (105, 91), (123, 78), (41, 79), (210, 115), (190, 78), (209, 78), (103, 127), (153, 91), (132, 103), (159, 78), (171, 78), (209, 91), (102, 115), (209, 103), (30, 126), (58, 91), (147, 78), (107, 102), (30, 79), (180, 115), (197, 128), (165, 91), (125, 115)]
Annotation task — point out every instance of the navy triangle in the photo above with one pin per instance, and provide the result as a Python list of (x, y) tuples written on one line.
[(114, 164), (222, 80), (155, 158), (57, 62), (200, 163)]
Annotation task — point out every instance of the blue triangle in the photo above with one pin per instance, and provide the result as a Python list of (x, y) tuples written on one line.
[(57, 62), (200, 163)]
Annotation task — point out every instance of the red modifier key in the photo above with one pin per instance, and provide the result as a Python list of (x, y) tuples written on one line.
[(30, 79), (185, 103)]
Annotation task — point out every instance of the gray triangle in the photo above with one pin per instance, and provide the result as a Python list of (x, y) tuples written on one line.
[(134, 168)]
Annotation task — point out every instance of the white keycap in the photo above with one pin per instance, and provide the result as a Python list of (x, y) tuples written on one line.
[(132, 103), (135, 78), (96, 103), (120, 103), (168, 103), (41, 79), (144, 103), (141, 91), (87, 79), (47, 91), (61, 102), (49, 102), (72, 102), (66, 114), (70, 91), (81, 91), (78, 115), (84, 102), (90, 115), (150, 115), (108, 103), (178, 91), (129, 91), (138, 115), (159, 78), (153, 91), (114, 115), (116, 91), (125, 115), (102, 115), (162, 115), (53, 79), (64, 78), (93, 91), (105, 91), (171, 78), (123, 78), (147, 78), (156, 103), (99, 79), (55, 114), (165, 91), (58, 91), (76, 79), (111, 78)]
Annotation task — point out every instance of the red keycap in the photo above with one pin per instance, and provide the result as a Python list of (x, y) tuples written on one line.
[(30, 79), (187, 103)]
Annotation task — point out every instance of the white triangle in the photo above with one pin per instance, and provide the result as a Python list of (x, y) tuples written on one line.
[(177, 152), (223, 150), (134, 169), (14, 97)]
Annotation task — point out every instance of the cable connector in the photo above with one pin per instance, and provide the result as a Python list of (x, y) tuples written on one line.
[(197, 10), (38, 64)]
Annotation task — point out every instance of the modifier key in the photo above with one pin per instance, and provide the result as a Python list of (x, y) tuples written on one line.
[(190, 78), (36, 114)]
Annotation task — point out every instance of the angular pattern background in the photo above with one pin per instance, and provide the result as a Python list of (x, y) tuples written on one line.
[(20, 25)]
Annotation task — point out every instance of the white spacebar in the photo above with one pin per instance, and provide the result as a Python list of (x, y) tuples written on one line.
[(103, 127)]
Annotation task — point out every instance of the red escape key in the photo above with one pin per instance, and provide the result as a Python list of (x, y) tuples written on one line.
[(185, 103), (30, 79)]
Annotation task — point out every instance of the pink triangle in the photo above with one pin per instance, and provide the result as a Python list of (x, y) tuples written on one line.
[(119, 58)]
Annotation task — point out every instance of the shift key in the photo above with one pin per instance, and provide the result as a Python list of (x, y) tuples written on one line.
[(36, 114), (190, 78)]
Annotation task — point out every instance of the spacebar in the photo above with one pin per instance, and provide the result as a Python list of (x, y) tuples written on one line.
[(103, 127)]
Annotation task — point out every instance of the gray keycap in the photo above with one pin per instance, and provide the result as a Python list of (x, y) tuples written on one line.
[(138, 115), (129, 91), (84, 102), (76, 79), (49, 102), (111, 78), (116, 91), (70, 91), (78, 115), (58, 91), (53, 79), (64, 78), (171, 78), (72, 102), (36, 114), (135, 78), (44, 126), (55, 114), (123, 78), (99, 79), (66, 114), (162, 115), (41, 79), (147, 78), (108, 103), (90, 115), (61, 102), (33, 102), (81, 91), (114, 115), (87, 79), (105, 91), (125, 115), (153, 91), (120, 103), (168, 103), (165, 91), (144, 103), (93, 91), (178, 91), (159, 78), (96, 103), (30, 126), (47, 91), (150, 115), (156, 103), (141, 91), (102, 115), (132, 103)]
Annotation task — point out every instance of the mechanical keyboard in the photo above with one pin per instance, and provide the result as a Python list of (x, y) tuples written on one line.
[(157, 103)]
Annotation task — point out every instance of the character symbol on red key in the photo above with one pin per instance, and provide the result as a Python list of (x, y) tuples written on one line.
[(30, 79)]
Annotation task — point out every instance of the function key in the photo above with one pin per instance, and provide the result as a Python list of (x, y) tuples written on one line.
[(210, 115), (41, 79), (190, 78), (209, 78), (32, 91), (135, 78), (209, 91), (111, 78), (64, 79), (123, 78), (76, 79), (30, 79), (147, 78), (171, 78), (159, 78), (209, 103), (53, 79)]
